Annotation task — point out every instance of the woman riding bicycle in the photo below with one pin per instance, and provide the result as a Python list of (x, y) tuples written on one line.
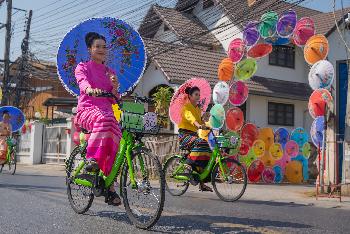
[(5, 132), (95, 114), (191, 122)]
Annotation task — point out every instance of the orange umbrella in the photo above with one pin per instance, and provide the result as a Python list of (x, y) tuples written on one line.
[(226, 69), (294, 172), (234, 119), (318, 101), (260, 50), (268, 160), (267, 136), (316, 49)]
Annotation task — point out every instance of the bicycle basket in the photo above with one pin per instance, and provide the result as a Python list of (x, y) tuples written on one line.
[(134, 119), (230, 140)]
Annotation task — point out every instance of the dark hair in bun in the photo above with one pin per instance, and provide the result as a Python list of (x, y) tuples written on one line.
[(191, 90), (91, 37)]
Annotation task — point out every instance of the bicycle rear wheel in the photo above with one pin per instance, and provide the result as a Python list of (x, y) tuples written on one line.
[(80, 197), (10, 166), (173, 186), (230, 183), (145, 203)]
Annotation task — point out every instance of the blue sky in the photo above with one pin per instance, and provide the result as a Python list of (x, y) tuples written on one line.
[(53, 18)]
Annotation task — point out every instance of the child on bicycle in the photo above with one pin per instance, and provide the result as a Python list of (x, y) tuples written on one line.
[(190, 123), (5, 132), (95, 114)]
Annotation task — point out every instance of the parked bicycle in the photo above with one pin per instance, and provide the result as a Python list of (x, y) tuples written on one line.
[(142, 183), (11, 158), (227, 175)]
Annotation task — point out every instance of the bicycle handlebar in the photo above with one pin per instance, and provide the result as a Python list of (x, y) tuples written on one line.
[(136, 98)]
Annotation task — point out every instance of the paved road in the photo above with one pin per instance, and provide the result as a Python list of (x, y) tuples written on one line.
[(34, 203)]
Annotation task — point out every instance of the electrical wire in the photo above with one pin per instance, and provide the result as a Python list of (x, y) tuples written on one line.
[(338, 29)]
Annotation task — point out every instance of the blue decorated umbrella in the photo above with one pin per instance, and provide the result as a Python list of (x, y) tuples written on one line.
[(282, 136), (17, 118), (126, 52), (300, 136), (316, 132), (275, 40), (278, 174)]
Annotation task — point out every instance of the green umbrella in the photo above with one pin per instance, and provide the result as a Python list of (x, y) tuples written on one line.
[(268, 24), (246, 69), (248, 159)]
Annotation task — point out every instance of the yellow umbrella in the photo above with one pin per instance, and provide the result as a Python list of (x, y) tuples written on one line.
[(276, 151), (294, 172), (117, 112), (259, 148)]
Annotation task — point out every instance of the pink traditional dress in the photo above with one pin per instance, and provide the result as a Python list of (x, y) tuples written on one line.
[(95, 114), (5, 132)]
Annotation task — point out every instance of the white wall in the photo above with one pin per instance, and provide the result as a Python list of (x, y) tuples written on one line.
[(257, 112), (214, 17), (297, 74), (152, 77), (168, 36)]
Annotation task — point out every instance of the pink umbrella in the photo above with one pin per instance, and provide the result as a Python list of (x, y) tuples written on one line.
[(268, 175), (238, 93), (304, 29), (180, 98), (236, 50), (283, 162), (292, 149)]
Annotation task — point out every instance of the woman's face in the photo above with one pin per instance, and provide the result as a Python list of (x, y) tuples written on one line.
[(98, 50), (195, 96), (6, 117)]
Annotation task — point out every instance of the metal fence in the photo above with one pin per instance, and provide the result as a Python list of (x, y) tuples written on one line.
[(54, 144), (23, 146)]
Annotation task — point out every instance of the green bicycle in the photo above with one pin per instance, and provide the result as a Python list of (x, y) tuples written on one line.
[(11, 158), (142, 183), (227, 175)]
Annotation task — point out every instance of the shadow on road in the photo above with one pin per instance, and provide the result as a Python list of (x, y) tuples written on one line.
[(207, 223), (38, 188)]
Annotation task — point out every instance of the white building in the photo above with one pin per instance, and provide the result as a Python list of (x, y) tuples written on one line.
[(192, 39)]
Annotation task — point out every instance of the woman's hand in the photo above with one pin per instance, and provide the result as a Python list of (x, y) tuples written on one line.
[(115, 81), (93, 92)]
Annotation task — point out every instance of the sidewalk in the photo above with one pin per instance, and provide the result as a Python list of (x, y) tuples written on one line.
[(285, 193)]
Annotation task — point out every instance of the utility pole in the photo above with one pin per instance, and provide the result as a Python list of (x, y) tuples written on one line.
[(7, 53), (24, 61)]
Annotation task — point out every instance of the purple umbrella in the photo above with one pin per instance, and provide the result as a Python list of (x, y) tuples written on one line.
[(286, 23), (316, 131), (251, 33)]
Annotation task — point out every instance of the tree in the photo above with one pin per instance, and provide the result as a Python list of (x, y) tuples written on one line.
[(162, 100)]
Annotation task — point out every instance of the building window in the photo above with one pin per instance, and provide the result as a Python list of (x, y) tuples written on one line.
[(280, 114), (207, 4), (283, 56)]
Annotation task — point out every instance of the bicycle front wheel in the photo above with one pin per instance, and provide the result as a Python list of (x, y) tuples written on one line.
[(143, 203), (229, 182)]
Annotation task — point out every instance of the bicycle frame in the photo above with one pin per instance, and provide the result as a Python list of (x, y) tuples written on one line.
[(124, 155), (10, 149), (216, 157)]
